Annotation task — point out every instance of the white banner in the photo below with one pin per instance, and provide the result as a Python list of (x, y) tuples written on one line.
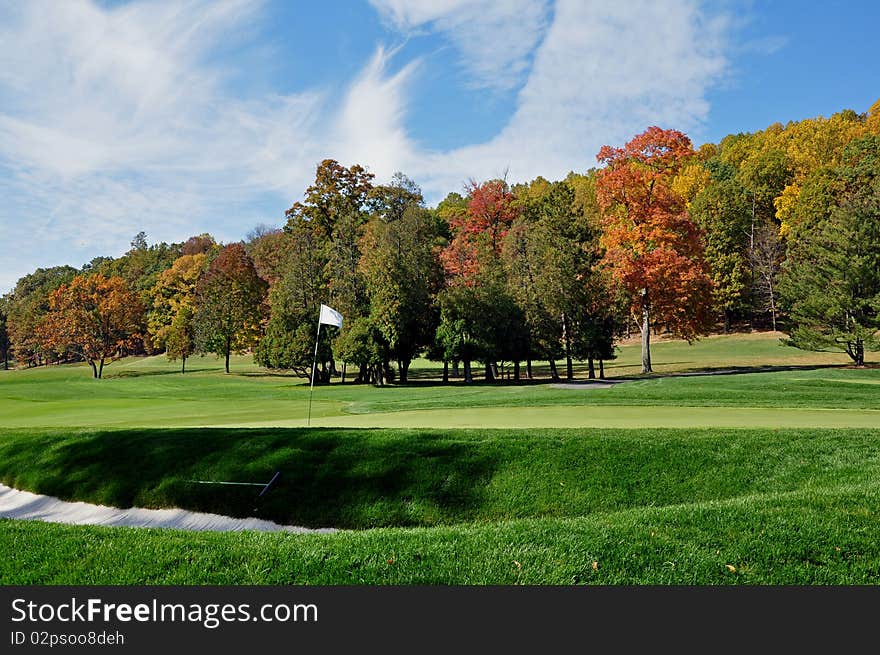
[(330, 316)]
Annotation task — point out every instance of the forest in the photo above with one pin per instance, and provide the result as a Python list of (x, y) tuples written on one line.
[(773, 230)]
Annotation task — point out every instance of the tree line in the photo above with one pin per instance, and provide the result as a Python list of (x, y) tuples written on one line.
[(777, 229)]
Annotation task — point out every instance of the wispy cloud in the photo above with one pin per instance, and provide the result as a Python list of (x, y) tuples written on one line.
[(495, 38), (118, 119)]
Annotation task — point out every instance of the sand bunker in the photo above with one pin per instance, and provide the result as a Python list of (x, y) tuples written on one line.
[(15, 504)]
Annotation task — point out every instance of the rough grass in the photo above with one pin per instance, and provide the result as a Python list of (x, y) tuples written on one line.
[(816, 535), (376, 478)]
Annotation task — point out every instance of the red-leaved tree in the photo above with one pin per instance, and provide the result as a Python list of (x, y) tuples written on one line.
[(479, 232), (652, 248)]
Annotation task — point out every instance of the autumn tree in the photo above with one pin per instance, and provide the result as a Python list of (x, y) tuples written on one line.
[(175, 289), (4, 333), (652, 248), (202, 244), (270, 251), (478, 232), (180, 340), (98, 318), (229, 304), (26, 307)]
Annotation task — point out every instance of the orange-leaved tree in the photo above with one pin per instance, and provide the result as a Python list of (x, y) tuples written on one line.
[(96, 317), (478, 233), (652, 248)]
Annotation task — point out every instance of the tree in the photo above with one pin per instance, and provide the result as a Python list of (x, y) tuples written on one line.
[(402, 275), (174, 290), (830, 283), (652, 248), (321, 266), (180, 341), (4, 333), (723, 211), (766, 255), (96, 317), (229, 304), (478, 232), (27, 306)]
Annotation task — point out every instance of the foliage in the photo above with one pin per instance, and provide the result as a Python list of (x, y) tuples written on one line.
[(402, 276), (831, 283), (174, 290), (652, 248), (229, 304), (27, 305), (97, 318)]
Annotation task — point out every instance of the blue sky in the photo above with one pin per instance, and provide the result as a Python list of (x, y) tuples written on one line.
[(178, 117)]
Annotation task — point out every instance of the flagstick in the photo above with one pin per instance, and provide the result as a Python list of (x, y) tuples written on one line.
[(314, 370)]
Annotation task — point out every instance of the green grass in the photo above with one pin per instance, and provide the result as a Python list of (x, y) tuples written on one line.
[(371, 478), (812, 536), (773, 473), (149, 392)]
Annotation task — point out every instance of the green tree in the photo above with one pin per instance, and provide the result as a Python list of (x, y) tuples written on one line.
[(229, 304), (830, 283), (4, 333), (723, 211), (402, 275)]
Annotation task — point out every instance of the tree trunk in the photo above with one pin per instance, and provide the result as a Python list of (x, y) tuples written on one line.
[(516, 370), (646, 334), (856, 351), (490, 374), (404, 371), (529, 369), (726, 321), (569, 370), (445, 372), (592, 369), (468, 378), (553, 372), (228, 348), (455, 372), (183, 365), (601, 369), (100, 368), (772, 302), (94, 369)]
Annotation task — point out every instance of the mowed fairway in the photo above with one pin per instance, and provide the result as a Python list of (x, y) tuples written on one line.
[(734, 477)]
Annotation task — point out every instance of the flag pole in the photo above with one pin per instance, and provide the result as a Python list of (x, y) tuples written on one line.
[(314, 370)]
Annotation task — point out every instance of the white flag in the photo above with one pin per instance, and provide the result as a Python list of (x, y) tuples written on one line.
[(330, 316)]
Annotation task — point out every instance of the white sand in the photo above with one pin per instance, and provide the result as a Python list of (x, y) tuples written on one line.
[(15, 504)]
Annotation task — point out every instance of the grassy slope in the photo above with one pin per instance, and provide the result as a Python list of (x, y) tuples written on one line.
[(370, 478), (812, 536)]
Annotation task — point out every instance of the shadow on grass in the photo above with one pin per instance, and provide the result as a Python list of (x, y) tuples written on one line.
[(329, 477)]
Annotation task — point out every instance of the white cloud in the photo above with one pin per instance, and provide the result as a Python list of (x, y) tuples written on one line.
[(495, 37), (602, 73), (114, 120)]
